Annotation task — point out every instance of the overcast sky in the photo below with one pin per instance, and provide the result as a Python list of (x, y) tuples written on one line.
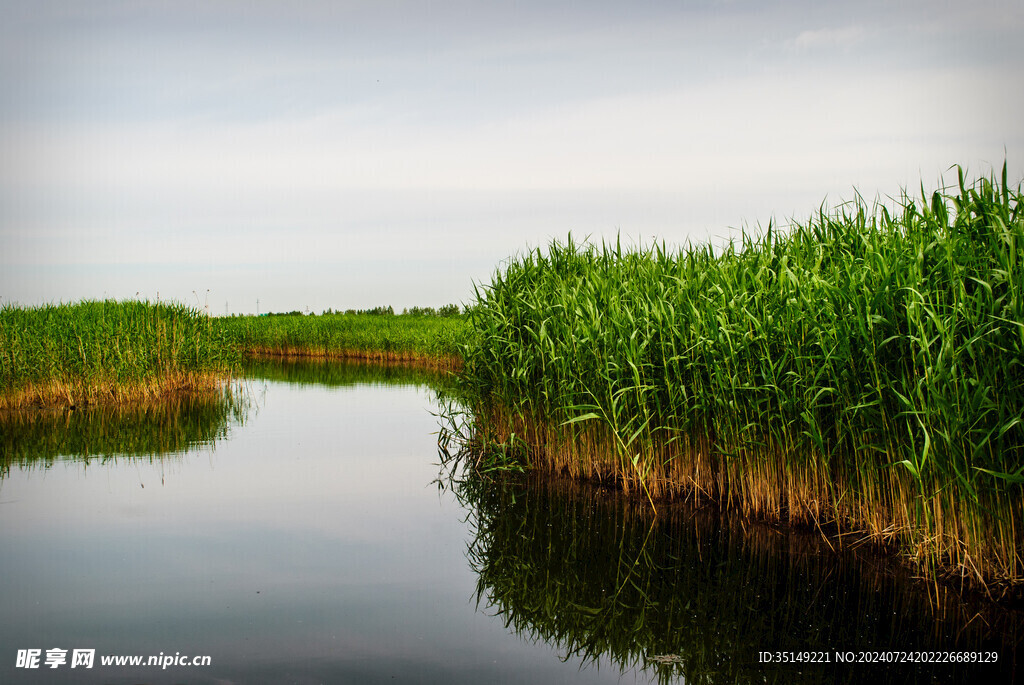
[(354, 154)]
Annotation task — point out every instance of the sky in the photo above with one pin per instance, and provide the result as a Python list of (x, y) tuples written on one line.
[(273, 156)]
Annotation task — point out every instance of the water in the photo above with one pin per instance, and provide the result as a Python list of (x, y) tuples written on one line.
[(295, 534)]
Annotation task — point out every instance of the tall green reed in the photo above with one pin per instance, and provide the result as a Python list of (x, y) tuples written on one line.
[(73, 349), (862, 368), (375, 336)]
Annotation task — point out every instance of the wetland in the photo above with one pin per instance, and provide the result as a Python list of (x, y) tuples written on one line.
[(299, 529)]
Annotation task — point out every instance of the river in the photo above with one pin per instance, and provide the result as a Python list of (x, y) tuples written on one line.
[(295, 532)]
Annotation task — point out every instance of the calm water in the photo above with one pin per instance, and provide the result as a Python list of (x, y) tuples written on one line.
[(295, 534)]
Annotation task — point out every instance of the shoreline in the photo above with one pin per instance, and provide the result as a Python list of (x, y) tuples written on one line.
[(398, 358), (694, 473), (76, 393)]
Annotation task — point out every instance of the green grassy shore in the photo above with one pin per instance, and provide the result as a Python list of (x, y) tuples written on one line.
[(123, 352), (428, 340), (106, 351), (863, 370)]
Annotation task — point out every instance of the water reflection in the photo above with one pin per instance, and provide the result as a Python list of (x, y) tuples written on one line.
[(173, 426), (342, 373), (693, 594), (38, 438)]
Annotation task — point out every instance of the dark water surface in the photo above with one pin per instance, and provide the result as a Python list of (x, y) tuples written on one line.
[(294, 534)]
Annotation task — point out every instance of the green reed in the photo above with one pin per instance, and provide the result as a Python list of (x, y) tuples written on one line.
[(405, 337), (95, 349), (863, 368)]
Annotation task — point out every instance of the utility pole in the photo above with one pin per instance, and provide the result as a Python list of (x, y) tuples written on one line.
[(257, 306)]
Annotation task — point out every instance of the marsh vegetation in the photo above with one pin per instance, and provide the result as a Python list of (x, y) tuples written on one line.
[(863, 370), (122, 352), (860, 372), (423, 338), (107, 351)]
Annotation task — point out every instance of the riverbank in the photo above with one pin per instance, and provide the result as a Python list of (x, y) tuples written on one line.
[(433, 341), (96, 352), (861, 370), (422, 340), (110, 352)]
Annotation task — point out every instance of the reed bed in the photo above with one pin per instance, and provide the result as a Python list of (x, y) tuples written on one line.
[(107, 351), (862, 369), (427, 340)]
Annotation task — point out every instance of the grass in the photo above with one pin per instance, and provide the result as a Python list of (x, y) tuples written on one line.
[(423, 339), (100, 351), (129, 352), (863, 369)]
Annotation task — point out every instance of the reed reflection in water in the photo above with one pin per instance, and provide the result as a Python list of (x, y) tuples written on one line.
[(695, 595), (150, 431), (345, 373)]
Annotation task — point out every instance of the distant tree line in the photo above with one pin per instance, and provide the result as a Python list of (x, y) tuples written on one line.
[(448, 310), (445, 311), (376, 311)]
